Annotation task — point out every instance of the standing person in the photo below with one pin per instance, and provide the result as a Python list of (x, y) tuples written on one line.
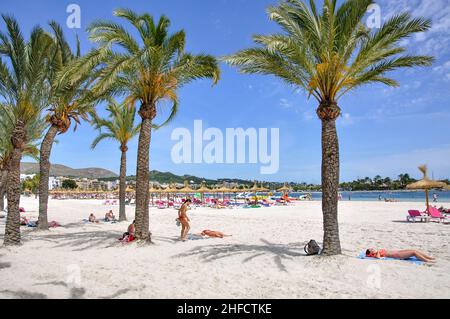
[(435, 198), (184, 219)]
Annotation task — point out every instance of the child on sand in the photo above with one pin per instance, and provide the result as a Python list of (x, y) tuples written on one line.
[(398, 254)]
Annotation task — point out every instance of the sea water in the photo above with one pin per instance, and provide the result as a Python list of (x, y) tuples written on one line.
[(402, 196)]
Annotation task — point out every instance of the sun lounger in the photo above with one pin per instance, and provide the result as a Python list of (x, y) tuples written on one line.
[(436, 215), (415, 215)]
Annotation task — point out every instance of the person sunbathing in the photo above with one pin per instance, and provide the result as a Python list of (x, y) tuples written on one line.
[(109, 217), (24, 221), (128, 236), (93, 219), (398, 254), (213, 234)]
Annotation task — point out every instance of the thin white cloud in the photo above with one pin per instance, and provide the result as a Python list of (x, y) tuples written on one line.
[(286, 104)]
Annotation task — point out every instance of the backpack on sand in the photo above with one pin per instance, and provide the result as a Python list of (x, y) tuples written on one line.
[(312, 248)]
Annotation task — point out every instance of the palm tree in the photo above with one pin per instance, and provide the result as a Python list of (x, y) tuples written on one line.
[(328, 54), (120, 127), (23, 71), (149, 71), (34, 134), (67, 104)]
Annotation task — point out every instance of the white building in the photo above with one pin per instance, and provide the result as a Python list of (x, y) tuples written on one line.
[(26, 176), (54, 182)]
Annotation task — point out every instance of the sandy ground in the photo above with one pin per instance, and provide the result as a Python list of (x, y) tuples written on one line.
[(263, 259)]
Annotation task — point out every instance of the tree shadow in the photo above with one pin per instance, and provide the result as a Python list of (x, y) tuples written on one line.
[(279, 252), (83, 240), (79, 293), (22, 294), (4, 265), (74, 293), (165, 239), (406, 222)]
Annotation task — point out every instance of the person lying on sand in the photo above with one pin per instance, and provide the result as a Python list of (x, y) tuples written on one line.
[(398, 254), (23, 221), (184, 219), (213, 234), (109, 217)]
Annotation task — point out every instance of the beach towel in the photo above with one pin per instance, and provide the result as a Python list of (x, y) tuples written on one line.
[(196, 237), (413, 260), (54, 224), (127, 239), (32, 224)]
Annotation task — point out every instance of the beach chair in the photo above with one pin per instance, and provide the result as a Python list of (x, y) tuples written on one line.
[(436, 215), (415, 215)]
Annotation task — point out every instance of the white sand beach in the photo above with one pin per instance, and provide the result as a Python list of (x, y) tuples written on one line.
[(263, 259)]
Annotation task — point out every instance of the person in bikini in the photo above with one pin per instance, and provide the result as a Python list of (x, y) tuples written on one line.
[(214, 234), (184, 219), (398, 254)]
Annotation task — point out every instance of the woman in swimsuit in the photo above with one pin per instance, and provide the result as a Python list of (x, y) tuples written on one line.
[(398, 254), (213, 233), (184, 219)]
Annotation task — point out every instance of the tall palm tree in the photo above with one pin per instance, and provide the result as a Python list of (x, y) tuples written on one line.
[(147, 70), (119, 126), (34, 134), (23, 71), (328, 54), (67, 103)]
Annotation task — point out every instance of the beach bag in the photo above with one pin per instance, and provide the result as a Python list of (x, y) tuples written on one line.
[(312, 248)]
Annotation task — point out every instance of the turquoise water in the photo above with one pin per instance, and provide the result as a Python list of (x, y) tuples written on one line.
[(443, 196)]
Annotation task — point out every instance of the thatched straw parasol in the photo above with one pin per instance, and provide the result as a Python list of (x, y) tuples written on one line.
[(426, 184), (223, 190), (129, 190), (255, 188), (186, 189), (202, 190), (154, 190), (285, 189)]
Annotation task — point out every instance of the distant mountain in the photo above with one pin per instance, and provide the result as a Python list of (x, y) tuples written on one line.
[(105, 175), (61, 170), (168, 178)]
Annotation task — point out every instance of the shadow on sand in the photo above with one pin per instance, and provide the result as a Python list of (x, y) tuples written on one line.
[(279, 252), (83, 240)]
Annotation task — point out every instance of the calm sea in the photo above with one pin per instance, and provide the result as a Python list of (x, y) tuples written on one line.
[(443, 196)]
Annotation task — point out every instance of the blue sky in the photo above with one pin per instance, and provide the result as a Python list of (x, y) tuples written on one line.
[(382, 131)]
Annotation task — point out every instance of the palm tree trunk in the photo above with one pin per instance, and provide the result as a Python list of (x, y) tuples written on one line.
[(147, 114), (3, 183), (12, 230), (330, 179), (44, 171), (123, 184)]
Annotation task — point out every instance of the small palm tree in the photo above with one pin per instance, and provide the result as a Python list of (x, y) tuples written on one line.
[(24, 68), (327, 55), (147, 70), (68, 104), (119, 126)]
